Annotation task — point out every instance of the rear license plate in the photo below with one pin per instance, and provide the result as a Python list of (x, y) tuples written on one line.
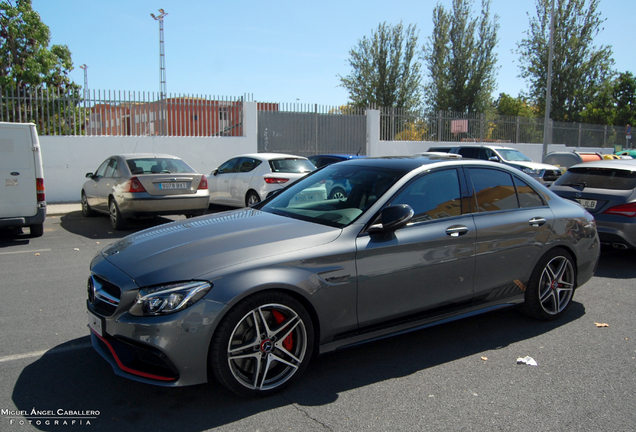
[(173, 186), (96, 323), (588, 204)]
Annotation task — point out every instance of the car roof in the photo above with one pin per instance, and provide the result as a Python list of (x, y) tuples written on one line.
[(128, 156), (409, 163), (621, 164), (269, 156), (340, 155)]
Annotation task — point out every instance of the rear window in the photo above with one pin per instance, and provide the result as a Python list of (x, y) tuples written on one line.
[(600, 178), (291, 165), (158, 165)]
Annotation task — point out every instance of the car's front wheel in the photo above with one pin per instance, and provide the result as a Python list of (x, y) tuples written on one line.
[(338, 193), (262, 345), (117, 221), (551, 286), (87, 211)]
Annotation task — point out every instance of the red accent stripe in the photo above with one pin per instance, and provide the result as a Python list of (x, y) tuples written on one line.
[(127, 369)]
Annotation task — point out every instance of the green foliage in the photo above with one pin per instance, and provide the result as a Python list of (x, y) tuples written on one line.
[(614, 103), (385, 72), (579, 68), (25, 58), (514, 106), (460, 58)]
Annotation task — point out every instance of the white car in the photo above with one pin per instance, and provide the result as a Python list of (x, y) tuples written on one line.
[(247, 179)]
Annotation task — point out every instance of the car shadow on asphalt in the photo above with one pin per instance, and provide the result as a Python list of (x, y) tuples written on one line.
[(617, 264), (80, 379)]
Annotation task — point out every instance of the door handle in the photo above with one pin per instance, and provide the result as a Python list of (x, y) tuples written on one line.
[(456, 230), (537, 221)]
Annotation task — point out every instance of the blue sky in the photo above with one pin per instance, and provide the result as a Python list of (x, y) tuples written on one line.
[(277, 51)]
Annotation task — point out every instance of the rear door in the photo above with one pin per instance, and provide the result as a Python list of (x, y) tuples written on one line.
[(513, 225), (18, 196)]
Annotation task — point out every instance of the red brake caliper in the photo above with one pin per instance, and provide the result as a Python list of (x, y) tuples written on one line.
[(288, 343)]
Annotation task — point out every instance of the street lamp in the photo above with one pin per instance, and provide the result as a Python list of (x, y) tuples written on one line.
[(547, 135), (162, 70), (85, 68)]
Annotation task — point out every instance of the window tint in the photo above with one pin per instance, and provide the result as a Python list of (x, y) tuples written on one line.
[(528, 197), (493, 190), (433, 196), (247, 164), (601, 178), (111, 170), (291, 165), (228, 167), (158, 165), (469, 152)]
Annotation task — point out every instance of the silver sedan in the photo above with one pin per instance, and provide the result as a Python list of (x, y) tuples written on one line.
[(141, 185), (249, 296)]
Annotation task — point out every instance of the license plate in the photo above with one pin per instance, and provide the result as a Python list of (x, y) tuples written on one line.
[(96, 323), (588, 204), (173, 186)]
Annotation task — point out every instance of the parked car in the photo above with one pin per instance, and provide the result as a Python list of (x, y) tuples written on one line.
[(141, 185), (247, 179), (565, 159), (607, 189), (544, 173), (327, 159), (249, 296), (22, 197)]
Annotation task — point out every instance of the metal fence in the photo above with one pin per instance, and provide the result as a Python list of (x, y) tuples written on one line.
[(306, 130), (293, 128), (117, 113), (403, 125)]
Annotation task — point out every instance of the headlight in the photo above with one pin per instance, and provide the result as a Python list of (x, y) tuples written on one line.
[(167, 299), (532, 172)]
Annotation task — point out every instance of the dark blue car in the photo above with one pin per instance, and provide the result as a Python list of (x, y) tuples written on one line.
[(334, 190)]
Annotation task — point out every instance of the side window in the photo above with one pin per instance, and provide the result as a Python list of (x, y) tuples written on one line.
[(433, 196), (111, 170), (492, 190), (102, 169), (228, 167), (247, 165), (528, 197), (469, 152)]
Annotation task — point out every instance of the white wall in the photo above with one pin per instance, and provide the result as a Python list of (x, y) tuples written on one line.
[(67, 159)]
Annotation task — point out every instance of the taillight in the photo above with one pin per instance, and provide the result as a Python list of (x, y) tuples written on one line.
[(275, 180), (203, 184), (134, 185), (39, 187), (627, 210)]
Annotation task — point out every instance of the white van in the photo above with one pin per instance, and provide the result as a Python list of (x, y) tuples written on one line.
[(22, 198)]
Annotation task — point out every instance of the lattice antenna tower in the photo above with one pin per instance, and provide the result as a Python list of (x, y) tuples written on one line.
[(162, 67)]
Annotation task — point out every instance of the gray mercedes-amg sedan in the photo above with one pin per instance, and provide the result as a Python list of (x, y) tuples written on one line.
[(249, 296)]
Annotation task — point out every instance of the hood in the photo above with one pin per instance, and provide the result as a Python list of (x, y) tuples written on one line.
[(534, 165), (192, 248)]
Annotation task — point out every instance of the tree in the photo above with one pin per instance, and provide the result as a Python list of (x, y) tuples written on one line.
[(385, 71), (26, 61), (460, 58), (614, 102), (578, 69), (514, 106)]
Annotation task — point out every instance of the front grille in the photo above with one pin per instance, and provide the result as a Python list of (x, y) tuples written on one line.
[(103, 295)]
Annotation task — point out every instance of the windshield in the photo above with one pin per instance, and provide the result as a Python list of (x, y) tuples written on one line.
[(335, 196), (600, 178), (513, 155)]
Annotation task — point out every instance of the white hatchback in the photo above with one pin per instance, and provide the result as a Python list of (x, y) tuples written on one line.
[(247, 179)]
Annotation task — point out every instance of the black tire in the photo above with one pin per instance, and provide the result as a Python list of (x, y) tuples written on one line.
[(36, 230), (116, 219), (251, 199), (87, 211), (551, 286), (262, 345), (338, 193)]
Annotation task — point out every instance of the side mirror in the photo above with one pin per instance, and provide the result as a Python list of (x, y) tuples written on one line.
[(494, 159), (393, 218), (89, 175), (215, 172)]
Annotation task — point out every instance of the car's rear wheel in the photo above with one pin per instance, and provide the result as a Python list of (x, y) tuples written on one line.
[(87, 211), (251, 199), (117, 221), (338, 193), (262, 345), (551, 286)]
